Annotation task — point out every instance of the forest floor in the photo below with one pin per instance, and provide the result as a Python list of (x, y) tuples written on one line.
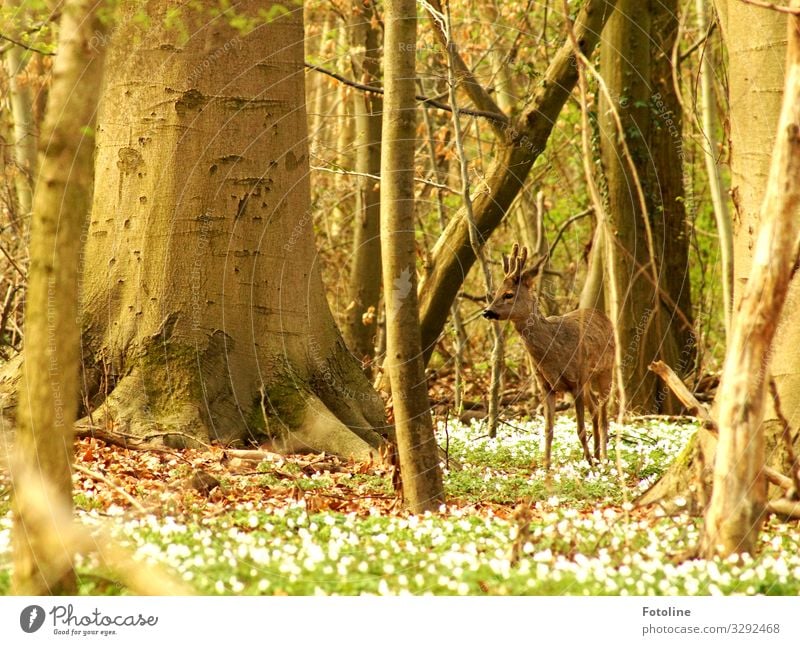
[(317, 525)]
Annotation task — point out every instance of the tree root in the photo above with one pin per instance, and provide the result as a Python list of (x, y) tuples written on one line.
[(321, 431)]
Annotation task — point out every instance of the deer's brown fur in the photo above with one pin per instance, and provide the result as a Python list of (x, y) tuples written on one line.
[(572, 353)]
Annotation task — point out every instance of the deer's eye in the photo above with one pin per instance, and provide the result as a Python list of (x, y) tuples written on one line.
[(508, 296)]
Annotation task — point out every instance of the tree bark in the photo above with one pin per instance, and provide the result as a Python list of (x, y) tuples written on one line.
[(636, 65), (755, 39), (203, 309), (520, 143), (418, 452), (756, 42), (49, 392), (669, 200), (365, 277), (739, 494)]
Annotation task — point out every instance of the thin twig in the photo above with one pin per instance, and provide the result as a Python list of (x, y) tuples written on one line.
[(492, 116), (567, 224), (12, 261), (24, 46), (339, 171), (700, 41)]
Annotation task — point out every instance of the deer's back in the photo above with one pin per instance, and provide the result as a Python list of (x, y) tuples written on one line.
[(572, 349)]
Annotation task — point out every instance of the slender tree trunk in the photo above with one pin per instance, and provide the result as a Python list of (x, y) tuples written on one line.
[(499, 58), (345, 109), (24, 128), (203, 309), (739, 495), (365, 276), (651, 232), (708, 110), (419, 462), (318, 93), (49, 396)]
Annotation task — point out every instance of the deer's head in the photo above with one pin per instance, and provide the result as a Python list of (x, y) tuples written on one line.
[(513, 300)]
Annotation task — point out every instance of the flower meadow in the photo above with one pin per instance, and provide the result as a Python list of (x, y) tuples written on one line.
[(508, 528)]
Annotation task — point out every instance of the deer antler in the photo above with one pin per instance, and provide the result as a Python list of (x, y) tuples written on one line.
[(513, 266), (520, 263)]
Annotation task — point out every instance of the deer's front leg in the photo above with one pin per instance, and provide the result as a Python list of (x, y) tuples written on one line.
[(549, 417), (603, 413)]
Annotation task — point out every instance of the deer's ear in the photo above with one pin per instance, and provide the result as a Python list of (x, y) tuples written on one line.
[(528, 276)]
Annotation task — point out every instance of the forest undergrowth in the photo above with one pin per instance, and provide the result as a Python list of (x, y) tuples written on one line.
[(307, 524)]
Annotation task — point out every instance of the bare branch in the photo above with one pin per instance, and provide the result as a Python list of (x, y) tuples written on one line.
[(491, 115), (476, 92), (24, 46)]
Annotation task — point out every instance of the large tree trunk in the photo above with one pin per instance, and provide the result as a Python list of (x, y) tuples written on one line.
[(416, 444), (203, 309), (625, 63), (50, 385), (738, 501), (668, 202), (365, 276), (755, 39), (635, 62), (756, 42)]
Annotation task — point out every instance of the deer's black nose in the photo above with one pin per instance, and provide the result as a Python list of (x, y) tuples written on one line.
[(491, 315)]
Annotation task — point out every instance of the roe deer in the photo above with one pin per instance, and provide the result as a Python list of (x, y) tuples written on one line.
[(572, 353)]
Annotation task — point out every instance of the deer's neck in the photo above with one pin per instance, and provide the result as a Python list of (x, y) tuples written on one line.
[(532, 324), (535, 329)]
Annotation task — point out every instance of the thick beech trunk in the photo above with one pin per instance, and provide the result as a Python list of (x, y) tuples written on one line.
[(739, 494), (755, 39), (652, 236), (203, 308)]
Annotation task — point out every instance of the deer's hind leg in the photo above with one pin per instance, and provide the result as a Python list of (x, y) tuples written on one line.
[(579, 414), (602, 385), (595, 410)]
